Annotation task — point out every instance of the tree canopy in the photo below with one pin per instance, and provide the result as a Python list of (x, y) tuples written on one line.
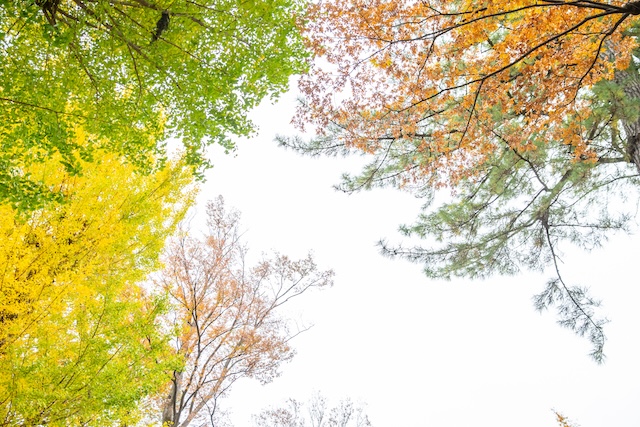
[(527, 111), (227, 315), (133, 74), (81, 341)]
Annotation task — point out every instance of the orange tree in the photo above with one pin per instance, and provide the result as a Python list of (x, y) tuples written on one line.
[(227, 315), (526, 110)]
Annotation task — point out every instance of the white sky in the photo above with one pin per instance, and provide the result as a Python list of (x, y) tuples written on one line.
[(421, 352)]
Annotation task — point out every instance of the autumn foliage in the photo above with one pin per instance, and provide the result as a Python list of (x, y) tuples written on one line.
[(460, 78), (564, 421), (80, 342), (527, 111), (227, 314)]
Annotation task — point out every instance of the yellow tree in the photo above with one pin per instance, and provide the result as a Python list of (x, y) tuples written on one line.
[(80, 339), (527, 110), (227, 315)]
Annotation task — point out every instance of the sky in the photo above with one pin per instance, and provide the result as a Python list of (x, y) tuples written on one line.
[(420, 352)]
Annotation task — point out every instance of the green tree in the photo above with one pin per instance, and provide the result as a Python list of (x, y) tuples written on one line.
[(527, 111), (133, 74), (81, 341)]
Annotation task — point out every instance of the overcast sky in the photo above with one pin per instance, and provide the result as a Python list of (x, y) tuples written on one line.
[(421, 352)]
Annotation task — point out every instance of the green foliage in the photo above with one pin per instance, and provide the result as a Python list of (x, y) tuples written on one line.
[(102, 65)]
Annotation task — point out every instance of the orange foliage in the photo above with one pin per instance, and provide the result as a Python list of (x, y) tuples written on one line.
[(227, 314), (461, 77), (564, 421)]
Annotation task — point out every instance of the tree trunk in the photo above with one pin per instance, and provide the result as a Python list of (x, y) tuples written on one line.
[(629, 80), (170, 410)]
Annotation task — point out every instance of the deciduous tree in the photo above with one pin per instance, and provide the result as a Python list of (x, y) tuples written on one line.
[(80, 340), (315, 413), (528, 111), (134, 73), (227, 315)]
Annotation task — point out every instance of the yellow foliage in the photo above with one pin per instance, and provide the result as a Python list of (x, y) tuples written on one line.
[(78, 335)]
